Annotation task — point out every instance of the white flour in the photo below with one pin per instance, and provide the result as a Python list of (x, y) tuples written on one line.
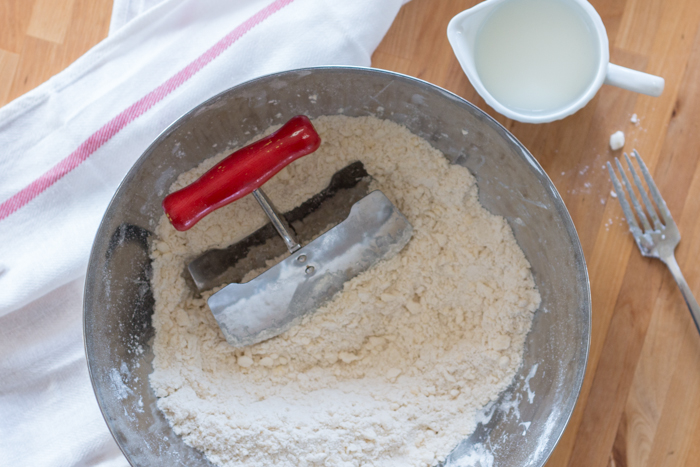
[(392, 371)]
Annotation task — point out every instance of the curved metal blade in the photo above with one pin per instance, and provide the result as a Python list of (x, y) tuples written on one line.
[(329, 207), (277, 299)]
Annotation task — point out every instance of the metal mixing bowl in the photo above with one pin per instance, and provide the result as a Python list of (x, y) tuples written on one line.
[(520, 428)]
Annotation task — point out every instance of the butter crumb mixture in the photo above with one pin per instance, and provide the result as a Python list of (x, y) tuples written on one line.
[(393, 370)]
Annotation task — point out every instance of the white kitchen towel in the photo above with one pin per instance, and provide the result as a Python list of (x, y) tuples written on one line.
[(124, 11), (65, 146)]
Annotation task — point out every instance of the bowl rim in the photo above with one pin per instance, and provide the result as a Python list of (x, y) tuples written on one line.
[(582, 270)]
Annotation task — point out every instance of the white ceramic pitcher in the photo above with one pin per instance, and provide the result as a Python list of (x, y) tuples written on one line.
[(463, 31)]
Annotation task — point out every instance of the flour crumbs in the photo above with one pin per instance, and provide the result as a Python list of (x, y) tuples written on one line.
[(389, 373)]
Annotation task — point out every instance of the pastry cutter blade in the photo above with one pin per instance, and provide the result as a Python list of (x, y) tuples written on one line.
[(220, 266)]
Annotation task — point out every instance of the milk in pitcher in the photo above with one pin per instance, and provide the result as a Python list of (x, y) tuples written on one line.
[(536, 56)]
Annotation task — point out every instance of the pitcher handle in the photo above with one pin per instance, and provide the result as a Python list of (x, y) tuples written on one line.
[(634, 80)]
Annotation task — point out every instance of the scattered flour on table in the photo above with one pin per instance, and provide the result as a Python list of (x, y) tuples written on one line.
[(390, 373)]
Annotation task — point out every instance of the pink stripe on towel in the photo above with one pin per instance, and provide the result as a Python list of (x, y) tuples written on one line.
[(114, 126)]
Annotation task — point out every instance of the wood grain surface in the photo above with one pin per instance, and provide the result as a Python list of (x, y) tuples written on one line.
[(640, 402)]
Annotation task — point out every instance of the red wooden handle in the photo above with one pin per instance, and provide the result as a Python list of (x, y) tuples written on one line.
[(242, 172)]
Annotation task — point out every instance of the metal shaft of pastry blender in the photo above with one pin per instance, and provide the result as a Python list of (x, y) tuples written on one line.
[(279, 222)]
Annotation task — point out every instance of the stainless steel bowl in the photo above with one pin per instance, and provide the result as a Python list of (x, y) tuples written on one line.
[(520, 428)]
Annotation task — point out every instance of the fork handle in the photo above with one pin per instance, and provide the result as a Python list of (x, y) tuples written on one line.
[(670, 261)]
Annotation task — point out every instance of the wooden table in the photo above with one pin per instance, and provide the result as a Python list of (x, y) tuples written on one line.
[(640, 403)]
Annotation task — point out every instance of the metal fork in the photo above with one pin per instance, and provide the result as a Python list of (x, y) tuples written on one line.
[(659, 241)]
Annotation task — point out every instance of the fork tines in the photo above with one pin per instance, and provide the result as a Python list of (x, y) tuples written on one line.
[(660, 242), (651, 211)]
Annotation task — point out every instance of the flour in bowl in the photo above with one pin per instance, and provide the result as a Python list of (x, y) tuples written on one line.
[(393, 370)]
